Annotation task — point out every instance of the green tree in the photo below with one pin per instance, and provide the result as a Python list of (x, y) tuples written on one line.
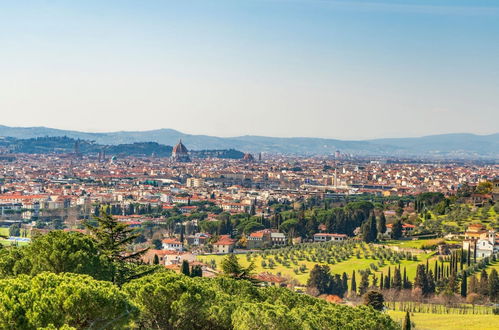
[(406, 325), (374, 299), (15, 230), (397, 279), (232, 268), (113, 239), (421, 280), (196, 271), (382, 223), (464, 285), (184, 269), (483, 285), (156, 260), (369, 231), (67, 299), (364, 283), (58, 252), (493, 285), (353, 283), (397, 229)]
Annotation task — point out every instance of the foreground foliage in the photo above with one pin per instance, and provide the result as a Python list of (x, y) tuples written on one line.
[(170, 301)]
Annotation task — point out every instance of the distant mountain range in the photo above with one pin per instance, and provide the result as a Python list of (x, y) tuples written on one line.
[(433, 146)]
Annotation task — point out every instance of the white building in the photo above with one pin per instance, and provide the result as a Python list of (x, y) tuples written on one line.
[(325, 237), (486, 245), (172, 244)]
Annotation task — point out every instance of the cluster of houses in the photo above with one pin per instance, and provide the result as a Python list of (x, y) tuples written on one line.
[(482, 242)]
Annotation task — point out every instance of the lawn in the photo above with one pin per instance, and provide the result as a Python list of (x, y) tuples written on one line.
[(449, 321), (4, 231)]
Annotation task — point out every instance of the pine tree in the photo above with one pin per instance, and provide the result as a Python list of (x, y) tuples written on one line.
[(185, 268), (113, 239)]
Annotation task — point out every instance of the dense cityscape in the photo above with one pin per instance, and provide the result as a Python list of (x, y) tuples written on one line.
[(313, 225)]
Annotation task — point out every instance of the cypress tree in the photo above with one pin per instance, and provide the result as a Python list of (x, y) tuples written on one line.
[(468, 258), (344, 282), (406, 325), (494, 286), (483, 284), (353, 284), (421, 281), (156, 260), (464, 285), (436, 270), (185, 268), (473, 285), (382, 223), (381, 284), (364, 283), (196, 271), (397, 279)]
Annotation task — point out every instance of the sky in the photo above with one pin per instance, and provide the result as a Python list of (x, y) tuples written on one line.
[(318, 68)]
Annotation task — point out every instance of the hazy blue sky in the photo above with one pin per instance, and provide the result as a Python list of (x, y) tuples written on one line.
[(338, 69)]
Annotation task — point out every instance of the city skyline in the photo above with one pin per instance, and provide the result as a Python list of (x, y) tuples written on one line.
[(330, 69)]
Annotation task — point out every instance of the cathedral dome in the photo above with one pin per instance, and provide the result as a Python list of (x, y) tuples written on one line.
[(180, 153)]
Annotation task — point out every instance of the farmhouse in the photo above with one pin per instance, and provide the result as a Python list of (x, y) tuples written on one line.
[(224, 245), (325, 237)]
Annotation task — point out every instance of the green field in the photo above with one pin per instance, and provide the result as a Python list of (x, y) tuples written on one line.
[(427, 321), (347, 266), (415, 244)]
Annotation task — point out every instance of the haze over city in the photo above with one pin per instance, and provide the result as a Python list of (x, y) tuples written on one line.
[(334, 69)]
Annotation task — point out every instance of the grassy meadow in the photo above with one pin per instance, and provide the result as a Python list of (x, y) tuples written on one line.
[(428, 321)]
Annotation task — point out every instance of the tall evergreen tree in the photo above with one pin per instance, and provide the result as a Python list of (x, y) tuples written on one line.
[(494, 286), (382, 223), (421, 280), (353, 284), (364, 283), (464, 285), (473, 285), (397, 279), (156, 260), (483, 285), (196, 271), (113, 239), (406, 325), (184, 269), (369, 230), (344, 282), (397, 229)]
